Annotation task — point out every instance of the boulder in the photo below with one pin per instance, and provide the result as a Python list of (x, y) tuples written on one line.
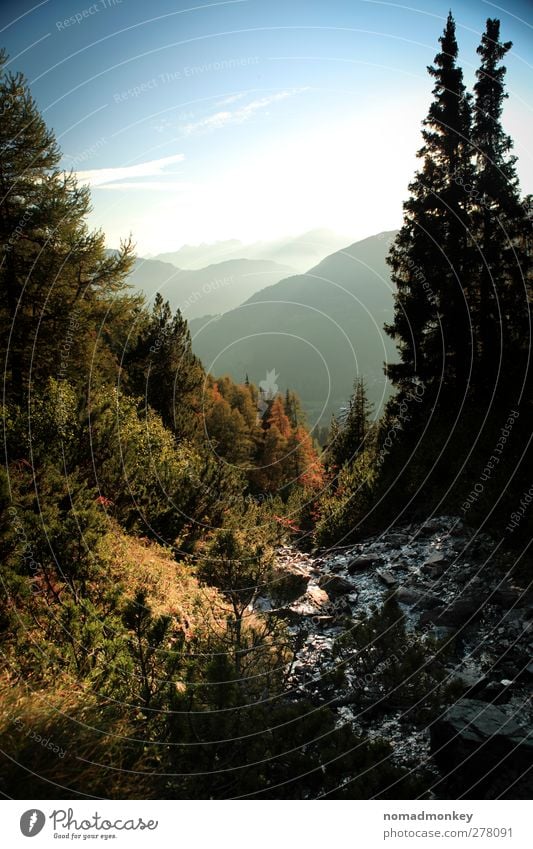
[(468, 680), (453, 615), (434, 572), (435, 558), (334, 585), (358, 564), (317, 596), (387, 578), (419, 598), (481, 752), (508, 595), (288, 583)]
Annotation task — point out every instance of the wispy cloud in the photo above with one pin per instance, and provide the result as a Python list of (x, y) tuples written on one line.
[(237, 116), (233, 98), (101, 177), (150, 185)]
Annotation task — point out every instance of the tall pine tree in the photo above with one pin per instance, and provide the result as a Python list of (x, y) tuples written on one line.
[(503, 265), (53, 270), (430, 257)]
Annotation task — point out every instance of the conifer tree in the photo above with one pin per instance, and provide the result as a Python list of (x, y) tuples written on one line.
[(430, 257), (349, 437), (502, 266), (52, 269), (163, 369)]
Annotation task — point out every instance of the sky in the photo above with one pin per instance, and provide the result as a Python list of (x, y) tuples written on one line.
[(250, 119)]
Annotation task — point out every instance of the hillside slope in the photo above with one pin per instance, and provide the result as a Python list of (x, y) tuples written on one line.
[(215, 289), (318, 330)]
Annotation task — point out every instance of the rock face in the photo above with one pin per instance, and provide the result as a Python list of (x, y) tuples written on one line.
[(482, 753)]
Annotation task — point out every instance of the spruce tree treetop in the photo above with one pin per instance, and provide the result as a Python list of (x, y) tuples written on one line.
[(430, 256)]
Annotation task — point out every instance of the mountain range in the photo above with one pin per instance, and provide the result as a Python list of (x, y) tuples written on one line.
[(214, 289), (299, 252), (313, 332)]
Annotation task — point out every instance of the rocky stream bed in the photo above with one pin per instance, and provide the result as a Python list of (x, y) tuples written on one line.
[(453, 586)]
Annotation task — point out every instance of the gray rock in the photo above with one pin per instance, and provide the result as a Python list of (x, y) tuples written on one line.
[(359, 564), (470, 681), (420, 598), (334, 585), (527, 672), (288, 583), (387, 578), (481, 752), (457, 613), (435, 558), (435, 571)]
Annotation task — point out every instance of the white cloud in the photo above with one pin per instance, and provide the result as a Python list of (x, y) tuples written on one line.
[(153, 168), (237, 116), (231, 99), (149, 185)]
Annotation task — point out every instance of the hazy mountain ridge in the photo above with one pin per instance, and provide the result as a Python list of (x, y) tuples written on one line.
[(214, 289), (318, 330), (299, 252)]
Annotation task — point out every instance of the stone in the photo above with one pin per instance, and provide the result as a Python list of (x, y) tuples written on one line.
[(358, 564), (387, 578), (527, 672), (455, 614), (317, 596), (496, 692), (508, 596), (468, 680), (288, 583), (434, 572), (334, 585), (481, 752), (412, 596), (436, 557)]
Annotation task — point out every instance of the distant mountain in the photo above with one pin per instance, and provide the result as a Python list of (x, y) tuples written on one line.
[(318, 330), (214, 289), (299, 252)]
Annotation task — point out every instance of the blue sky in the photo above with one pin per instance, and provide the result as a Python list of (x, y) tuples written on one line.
[(249, 119)]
